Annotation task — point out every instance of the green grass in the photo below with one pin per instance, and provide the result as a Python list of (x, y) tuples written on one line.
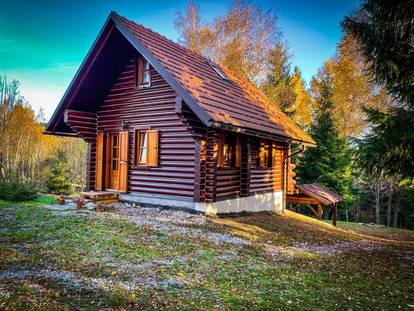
[(43, 199), (203, 275)]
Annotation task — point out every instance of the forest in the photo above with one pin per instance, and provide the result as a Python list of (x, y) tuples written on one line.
[(358, 107)]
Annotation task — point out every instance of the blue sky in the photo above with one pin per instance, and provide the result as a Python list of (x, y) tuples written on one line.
[(42, 43)]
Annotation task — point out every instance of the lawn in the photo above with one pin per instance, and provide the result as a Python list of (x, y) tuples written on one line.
[(147, 258)]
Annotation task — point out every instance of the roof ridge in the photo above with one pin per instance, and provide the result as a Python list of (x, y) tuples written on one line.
[(164, 37)]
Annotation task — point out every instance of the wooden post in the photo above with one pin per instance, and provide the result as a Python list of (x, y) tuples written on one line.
[(334, 214), (320, 211)]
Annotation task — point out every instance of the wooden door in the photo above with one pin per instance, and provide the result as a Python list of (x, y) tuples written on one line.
[(123, 161), (99, 161), (114, 161)]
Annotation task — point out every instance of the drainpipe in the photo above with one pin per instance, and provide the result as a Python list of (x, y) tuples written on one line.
[(285, 174)]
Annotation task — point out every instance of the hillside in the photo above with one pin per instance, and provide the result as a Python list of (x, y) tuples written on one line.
[(55, 257)]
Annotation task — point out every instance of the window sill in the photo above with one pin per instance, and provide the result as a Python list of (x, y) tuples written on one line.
[(143, 86)]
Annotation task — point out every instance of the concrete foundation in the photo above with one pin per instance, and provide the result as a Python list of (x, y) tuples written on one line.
[(259, 202)]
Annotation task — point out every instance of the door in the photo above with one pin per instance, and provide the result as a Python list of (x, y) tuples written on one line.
[(113, 161)]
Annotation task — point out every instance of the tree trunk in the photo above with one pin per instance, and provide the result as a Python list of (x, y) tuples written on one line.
[(377, 204), (389, 206), (396, 209)]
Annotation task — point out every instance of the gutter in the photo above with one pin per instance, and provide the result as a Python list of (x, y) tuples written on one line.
[(285, 174)]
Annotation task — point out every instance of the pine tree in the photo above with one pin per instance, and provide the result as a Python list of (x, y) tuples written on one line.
[(277, 85), (385, 31), (329, 163), (58, 181)]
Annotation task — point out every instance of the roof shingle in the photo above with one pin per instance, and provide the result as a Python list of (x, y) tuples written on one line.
[(236, 102)]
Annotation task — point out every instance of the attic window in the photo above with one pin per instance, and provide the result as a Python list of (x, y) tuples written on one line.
[(143, 73), (219, 72)]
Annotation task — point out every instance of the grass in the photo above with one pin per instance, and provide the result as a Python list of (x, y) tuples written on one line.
[(43, 199), (109, 261)]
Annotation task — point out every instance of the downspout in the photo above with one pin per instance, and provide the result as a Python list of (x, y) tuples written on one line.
[(285, 174)]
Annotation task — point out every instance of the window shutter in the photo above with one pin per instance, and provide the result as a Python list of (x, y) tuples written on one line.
[(238, 152), (123, 161), (152, 148), (220, 155), (99, 160), (261, 155), (139, 70)]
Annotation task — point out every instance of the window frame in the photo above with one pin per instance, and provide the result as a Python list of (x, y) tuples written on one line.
[(233, 160), (143, 67), (138, 147), (151, 143), (265, 154), (218, 71)]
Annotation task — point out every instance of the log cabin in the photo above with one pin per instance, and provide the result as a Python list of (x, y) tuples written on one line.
[(166, 126)]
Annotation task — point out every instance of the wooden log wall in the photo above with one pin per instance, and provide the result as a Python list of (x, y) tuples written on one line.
[(265, 179), (228, 182), (152, 107)]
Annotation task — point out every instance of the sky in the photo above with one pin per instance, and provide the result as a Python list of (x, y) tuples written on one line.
[(43, 42)]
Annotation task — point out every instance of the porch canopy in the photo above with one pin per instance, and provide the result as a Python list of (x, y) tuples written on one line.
[(317, 195)]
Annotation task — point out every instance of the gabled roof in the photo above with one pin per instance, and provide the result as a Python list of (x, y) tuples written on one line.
[(216, 101)]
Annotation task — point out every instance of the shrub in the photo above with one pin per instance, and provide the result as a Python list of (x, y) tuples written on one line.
[(58, 180), (18, 191)]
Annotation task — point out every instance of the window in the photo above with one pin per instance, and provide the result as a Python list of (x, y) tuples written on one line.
[(229, 151), (265, 155), (146, 148), (143, 73), (219, 72), (142, 147)]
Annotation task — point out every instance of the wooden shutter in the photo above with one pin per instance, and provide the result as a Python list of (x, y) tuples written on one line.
[(238, 152), (261, 155), (152, 148), (220, 150), (138, 73), (99, 160), (123, 161)]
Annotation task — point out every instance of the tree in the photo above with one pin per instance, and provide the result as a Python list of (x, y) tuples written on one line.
[(197, 37), (278, 83), (240, 40), (352, 90), (58, 181), (385, 31), (329, 163), (302, 109)]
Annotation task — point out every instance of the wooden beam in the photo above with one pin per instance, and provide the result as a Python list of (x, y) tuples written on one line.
[(313, 210), (320, 211), (303, 200)]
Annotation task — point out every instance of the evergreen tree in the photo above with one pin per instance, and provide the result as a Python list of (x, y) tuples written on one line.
[(329, 163), (58, 181), (277, 85), (385, 31)]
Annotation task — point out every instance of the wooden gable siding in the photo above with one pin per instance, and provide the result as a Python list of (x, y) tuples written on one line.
[(268, 178), (153, 108)]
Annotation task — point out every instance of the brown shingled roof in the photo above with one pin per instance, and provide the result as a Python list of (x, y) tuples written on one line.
[(236, 102), (320, 193)]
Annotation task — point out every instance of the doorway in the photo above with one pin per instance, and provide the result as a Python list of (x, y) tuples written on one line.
[(113, 161)]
